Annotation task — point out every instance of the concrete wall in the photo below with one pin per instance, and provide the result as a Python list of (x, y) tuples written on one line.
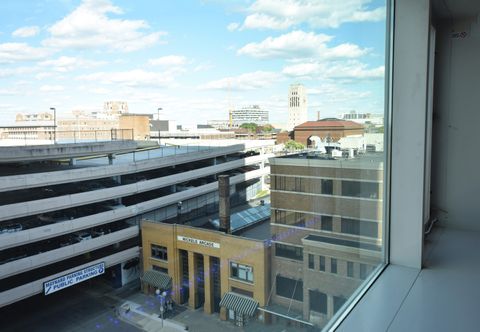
[(456, 156), (52, 256)]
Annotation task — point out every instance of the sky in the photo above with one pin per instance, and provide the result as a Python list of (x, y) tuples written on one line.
[(193, 59)]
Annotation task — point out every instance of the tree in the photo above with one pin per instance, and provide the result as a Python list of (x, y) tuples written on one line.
[(293, 145), (252, 127)]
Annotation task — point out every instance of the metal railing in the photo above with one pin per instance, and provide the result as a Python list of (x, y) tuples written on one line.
[(25, 137)]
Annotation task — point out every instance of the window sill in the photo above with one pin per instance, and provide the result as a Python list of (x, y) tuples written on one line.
[(250, 283), (378, 306)]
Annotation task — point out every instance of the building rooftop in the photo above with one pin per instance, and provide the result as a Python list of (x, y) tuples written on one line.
[(329, 123), (315, 158)]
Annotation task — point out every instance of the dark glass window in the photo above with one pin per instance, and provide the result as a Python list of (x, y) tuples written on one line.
[(338, 301), (242, 272), (363, 271), (289, 288), (350, 269), (322, 263), (159, 252), (282, 250), (333, 265), (160, 269), (327, 223), (318, 301), (311, 261), (359, 227), (327, 187), (360, 189)]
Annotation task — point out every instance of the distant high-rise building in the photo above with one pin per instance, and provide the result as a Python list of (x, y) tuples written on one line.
[(249, 114), (297, 105), (115, 107)]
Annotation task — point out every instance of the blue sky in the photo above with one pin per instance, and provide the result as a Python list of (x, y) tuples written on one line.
[(195, 59)]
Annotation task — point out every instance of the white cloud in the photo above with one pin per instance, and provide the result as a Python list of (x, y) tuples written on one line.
[(16, 52), (131, 78), (233, 26), (300, 44), (9, 72), (25, 32), (351, 69), (169, 60), (66, 63), (51, 88), (247, 81), (283, 14), (88, 26)]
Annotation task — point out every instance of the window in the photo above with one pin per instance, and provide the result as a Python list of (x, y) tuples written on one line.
[(350, 269), (311, 261), (318, 301), (327, 187), (327, 223), (363, 271), (160, 269), (360, 189), (333, 265), (322, 263), (359, 227), (159, 252), (289, 288), (286, 251), (242, 272), (338, 301)]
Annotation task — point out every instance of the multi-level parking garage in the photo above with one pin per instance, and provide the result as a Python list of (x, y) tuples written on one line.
[(67, 207)]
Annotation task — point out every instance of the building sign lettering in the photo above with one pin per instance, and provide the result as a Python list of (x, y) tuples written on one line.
[(204, 243), (73, 278)]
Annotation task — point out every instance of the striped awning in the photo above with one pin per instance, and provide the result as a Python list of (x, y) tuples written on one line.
[(157, 279), (239, 303)]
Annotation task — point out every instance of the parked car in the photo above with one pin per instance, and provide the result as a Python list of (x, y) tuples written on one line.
[(81, 236), (53, 217), (12, 228)]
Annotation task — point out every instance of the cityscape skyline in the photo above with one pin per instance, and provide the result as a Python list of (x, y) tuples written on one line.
[(77, 54)]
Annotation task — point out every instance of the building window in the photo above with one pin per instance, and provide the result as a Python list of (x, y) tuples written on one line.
[(311, 261), (159, 252), (322, 263), (350, 269), (363, 271), (333, 265), (289, 288), (327, 187), (242, 272), (338, 301), (327, 223), (318, 301), (282, 250), (159, 269), (359, 227), (360, 189)]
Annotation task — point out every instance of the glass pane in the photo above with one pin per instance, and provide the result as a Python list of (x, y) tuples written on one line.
[(229, 154)]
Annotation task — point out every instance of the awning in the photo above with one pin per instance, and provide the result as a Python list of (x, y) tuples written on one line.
[(239, 303), (157, 279)]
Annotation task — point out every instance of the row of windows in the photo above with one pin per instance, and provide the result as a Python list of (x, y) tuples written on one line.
[(325, 223), (350, 270), (325, 187), (318, 302), (286, 251)]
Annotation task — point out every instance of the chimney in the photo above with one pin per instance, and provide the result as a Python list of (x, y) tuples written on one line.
[(224, 203), (318, 115)]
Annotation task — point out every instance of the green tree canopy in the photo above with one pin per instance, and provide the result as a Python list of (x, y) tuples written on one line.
[(293, 145)]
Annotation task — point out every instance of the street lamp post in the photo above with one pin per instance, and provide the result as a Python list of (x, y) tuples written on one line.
[(158, 120), (162, 302), (54, 124)]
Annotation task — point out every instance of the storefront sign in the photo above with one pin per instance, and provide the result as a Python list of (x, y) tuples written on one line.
[(73, 278), (198, 242)]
